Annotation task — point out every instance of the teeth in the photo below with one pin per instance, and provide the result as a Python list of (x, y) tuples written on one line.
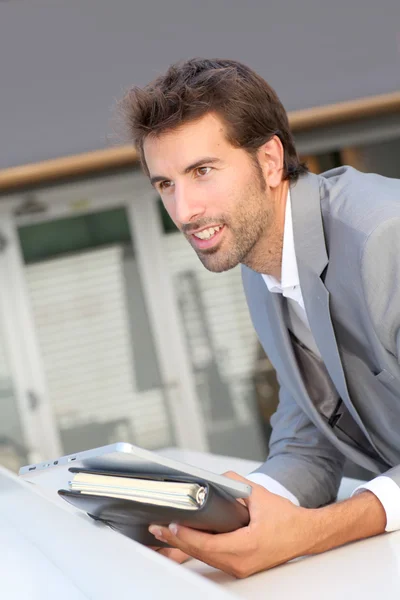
[(207, 233)]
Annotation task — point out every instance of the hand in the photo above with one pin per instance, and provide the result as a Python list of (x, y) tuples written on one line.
[(173, 553), (276, 533)]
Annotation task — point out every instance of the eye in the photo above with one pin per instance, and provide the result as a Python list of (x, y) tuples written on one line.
[(201, 171), (164, 185)]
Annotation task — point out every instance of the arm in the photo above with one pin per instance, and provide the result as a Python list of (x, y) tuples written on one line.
[(359, 517), (278, 532), (309, 468), (380, 270), (300, 458)]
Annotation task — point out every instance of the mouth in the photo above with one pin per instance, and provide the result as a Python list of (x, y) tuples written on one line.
[(207, 238)]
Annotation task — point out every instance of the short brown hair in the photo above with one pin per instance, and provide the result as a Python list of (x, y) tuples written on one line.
[(248, 106)]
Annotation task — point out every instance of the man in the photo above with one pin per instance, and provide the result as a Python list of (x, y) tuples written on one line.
[(320, 259)]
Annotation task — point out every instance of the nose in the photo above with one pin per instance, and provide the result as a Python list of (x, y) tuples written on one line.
[(189, 206)]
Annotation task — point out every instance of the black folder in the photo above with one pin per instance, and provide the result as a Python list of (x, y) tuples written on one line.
[(205, 506)]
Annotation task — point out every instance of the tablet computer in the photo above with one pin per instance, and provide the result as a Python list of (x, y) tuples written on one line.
[(126, 458)]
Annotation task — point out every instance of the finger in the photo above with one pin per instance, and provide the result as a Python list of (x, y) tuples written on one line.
[(237, 477), (258, 499), (196, 542), (174, 554), (160, 549), (254, 487), (184, 538), (224, 558), (234, 475)]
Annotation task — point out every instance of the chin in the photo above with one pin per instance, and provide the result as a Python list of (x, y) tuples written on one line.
[(218, 264)]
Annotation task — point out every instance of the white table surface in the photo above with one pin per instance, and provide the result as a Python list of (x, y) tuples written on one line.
[(48, 552), (368, 569)]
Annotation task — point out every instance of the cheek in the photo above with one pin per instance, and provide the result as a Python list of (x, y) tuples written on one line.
[(217, 197)]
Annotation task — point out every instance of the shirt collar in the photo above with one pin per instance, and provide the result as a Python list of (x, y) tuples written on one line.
[(290, 274)]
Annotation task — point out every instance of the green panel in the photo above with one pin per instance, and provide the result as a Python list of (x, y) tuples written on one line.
[(62, 236), (168, 224)]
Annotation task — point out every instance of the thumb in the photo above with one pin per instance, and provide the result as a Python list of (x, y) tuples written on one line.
[(232, 475)]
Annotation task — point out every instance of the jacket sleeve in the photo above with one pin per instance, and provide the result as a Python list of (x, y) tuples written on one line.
[(380, 269), (381, 281), (301, 458)]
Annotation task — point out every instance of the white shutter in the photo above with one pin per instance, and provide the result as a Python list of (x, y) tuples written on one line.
[(8, 405), (223, 297), (11, 437), (228, 318), (4, 369), (79, 306)]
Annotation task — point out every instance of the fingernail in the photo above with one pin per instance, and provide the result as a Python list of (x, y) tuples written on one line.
[(156, 531), (173, 527)]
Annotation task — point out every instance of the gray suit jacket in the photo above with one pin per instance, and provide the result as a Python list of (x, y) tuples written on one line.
[(347, 241)]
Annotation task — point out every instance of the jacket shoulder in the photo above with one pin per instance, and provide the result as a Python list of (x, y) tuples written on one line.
[(359, 200)]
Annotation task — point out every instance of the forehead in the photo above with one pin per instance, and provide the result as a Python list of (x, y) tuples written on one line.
[(186, 144)]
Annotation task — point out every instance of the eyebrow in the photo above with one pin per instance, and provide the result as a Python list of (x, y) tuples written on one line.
[(207, 159)]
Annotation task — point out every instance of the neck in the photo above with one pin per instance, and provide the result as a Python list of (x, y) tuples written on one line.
[(266, 255)]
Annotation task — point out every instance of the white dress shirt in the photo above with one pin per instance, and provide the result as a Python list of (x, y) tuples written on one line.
[(383, 487)]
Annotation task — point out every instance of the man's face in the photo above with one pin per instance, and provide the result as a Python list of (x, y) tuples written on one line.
[(215, 193)]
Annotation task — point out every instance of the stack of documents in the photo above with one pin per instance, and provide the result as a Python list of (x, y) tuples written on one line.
[(130, 503)]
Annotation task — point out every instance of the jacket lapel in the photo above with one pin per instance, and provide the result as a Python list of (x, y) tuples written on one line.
[(312, 258), (276, 341)]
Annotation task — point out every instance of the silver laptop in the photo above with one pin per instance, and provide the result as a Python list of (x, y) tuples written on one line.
[(124, 458)]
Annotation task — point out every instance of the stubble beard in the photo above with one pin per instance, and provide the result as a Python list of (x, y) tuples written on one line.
[(249, 225)]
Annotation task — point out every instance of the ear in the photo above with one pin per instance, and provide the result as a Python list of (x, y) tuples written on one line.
[(271, 158)]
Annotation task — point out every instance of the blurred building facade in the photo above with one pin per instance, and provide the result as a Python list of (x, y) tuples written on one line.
[(110, 328), (113, 330)]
